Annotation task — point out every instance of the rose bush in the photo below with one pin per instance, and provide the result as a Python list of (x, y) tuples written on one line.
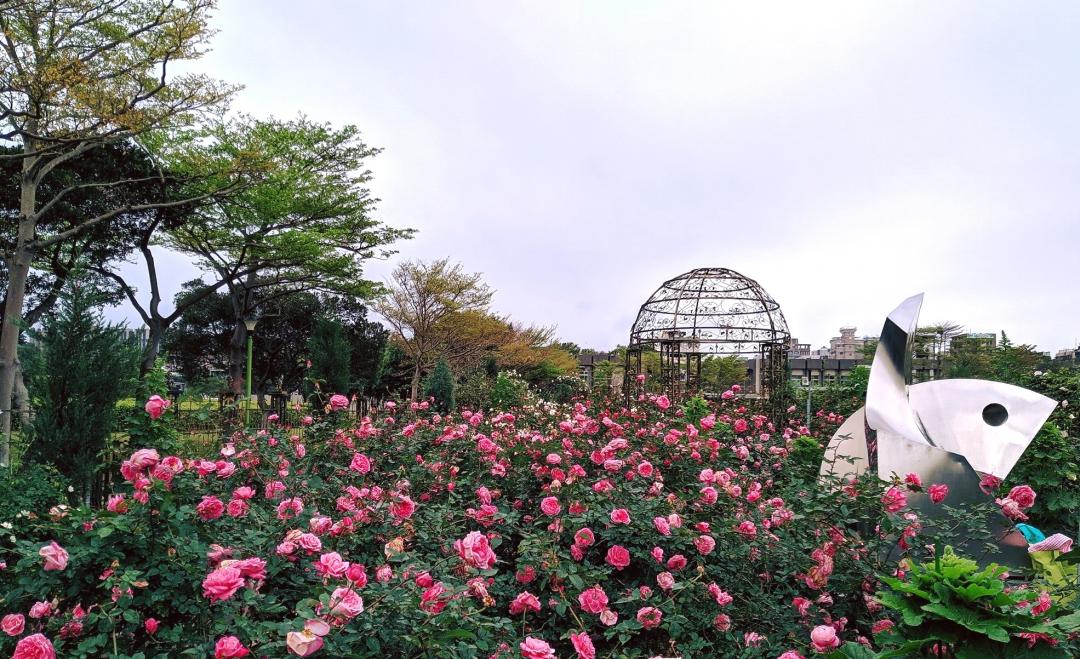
[(581, 529)]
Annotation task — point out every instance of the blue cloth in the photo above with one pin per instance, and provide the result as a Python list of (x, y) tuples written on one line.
[(1031, 534)]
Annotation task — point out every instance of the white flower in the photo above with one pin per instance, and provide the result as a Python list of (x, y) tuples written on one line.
[(71, 488), (6, 525), (12, 539)]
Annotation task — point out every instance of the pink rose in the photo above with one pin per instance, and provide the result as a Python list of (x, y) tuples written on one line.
[(665, 580), (228, 647), (791, 654), (40, 610), (662, 525), (346, 603), (156, 406), (222, 583), (550, 506), (534, 648), (617, 557), (117, 504), (620, 516), (722, 598), (525, 601), (1023, 495), (649, 617), (705, 544), (894, 499), (584, 537), (309, 542), (593, 600), (13, 624), (331, 565), (34, 647), (55, 556), (722, 622), (663, 402), (210, 508), (823, 638), (583, 645), (475, 550), (303, 643), (338, 402), (938, 492), (403, 508), (151, 625), (361, 464)]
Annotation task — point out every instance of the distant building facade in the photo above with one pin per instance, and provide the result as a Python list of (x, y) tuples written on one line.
[(847, 345)]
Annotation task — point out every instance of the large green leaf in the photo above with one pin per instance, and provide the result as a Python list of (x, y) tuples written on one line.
[(969, 620)]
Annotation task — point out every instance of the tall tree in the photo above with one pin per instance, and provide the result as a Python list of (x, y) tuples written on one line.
[(74, 75), (304, 224), (420, 297), (79, 368)]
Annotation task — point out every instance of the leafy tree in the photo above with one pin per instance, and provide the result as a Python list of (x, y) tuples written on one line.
[(719, 373), (329, 353), (303, 224), (420, 297), (201, 340), (78, 367), (440, 386), (76, 75)]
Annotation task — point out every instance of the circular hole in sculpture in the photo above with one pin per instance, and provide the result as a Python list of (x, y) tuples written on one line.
[(995, 414)]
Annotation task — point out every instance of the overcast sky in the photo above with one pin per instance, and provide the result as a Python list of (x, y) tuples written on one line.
[(845, 155)]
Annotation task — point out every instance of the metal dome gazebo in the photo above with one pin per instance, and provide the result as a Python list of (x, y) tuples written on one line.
[(708, 312)]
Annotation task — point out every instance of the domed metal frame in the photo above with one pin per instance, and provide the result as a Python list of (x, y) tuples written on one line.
[(708, 312)]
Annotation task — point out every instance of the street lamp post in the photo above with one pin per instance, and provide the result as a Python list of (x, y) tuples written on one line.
[(250, 324)]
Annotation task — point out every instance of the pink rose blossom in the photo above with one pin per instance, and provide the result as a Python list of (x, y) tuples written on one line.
[(35, 646), (534, 648), (593, 600), (938, 492), (823, 638), (649, 617), (550, 506), (583, 645), (475, 550), (13, 624), (228, 647), (617, 557), (222, 584), (56, 558), (156, 406), (346, 603), (620, 516)]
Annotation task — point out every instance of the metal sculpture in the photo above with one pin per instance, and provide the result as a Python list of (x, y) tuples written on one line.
[(947, 431), (703, 313)]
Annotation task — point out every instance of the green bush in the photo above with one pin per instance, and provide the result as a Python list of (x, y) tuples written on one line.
[(34, 488), (440, 386), (509, 391), (78, 367)]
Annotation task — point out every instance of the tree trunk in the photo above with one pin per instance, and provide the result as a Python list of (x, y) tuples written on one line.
[(18, 270), (414, 390), (22, 396), (238, 359), (152, 349)]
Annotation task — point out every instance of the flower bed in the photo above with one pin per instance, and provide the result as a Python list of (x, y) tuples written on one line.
[(571, 530)]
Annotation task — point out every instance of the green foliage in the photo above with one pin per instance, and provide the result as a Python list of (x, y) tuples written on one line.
[(440, 386), (719, 373), (509, 391), (329, 354), (78, 368), (695, 409), (559, 388), (35, 488), (474, 392), (953, 602)]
